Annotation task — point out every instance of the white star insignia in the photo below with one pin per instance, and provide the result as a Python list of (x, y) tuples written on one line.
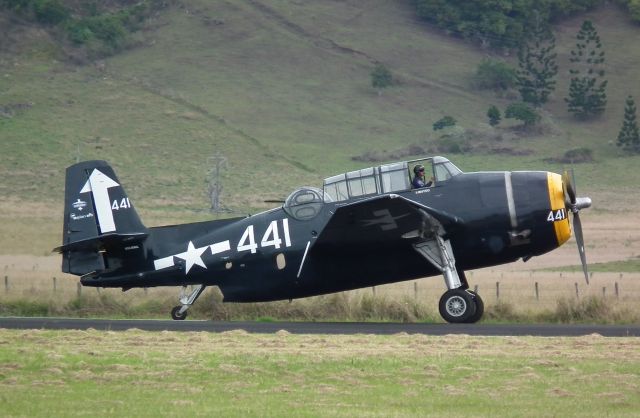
[(192, 256)]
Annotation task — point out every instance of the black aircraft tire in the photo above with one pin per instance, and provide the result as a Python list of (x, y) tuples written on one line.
[(479, 308), (457, 306), (176, 315)]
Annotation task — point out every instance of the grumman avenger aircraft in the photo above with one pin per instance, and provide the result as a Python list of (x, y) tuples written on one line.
[(363, 228)]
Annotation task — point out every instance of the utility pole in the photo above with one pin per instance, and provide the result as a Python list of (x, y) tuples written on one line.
[(217, 162)]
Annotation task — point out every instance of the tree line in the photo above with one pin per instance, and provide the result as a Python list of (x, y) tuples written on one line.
[(504, 23), (103, 31)]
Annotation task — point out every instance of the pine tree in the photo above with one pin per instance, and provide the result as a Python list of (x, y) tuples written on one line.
[(629, 136), (587, 95), (494, 116), (537, 64)]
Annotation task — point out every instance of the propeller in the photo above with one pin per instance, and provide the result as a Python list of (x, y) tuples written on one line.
[(575, 204)]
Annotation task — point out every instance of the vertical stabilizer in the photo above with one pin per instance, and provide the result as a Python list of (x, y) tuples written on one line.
[(97, 214)]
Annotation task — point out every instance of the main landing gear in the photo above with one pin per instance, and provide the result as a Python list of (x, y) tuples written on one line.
[(458, 304), (180, 312), (461, 306)]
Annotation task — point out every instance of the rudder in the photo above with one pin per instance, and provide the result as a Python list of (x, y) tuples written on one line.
[(97, 215)]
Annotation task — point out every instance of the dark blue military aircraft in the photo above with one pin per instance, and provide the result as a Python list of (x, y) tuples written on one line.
[(394, 222)]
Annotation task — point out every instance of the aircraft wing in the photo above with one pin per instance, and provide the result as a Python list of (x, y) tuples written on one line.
[(383, 219)]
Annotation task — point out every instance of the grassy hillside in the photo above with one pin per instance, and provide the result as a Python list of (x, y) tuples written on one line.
[(282, 89)]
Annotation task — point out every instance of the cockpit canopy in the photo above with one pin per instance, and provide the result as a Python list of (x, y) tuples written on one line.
[(387, 178)]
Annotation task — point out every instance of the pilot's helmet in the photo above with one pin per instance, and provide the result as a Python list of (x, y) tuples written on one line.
[(418, 168)]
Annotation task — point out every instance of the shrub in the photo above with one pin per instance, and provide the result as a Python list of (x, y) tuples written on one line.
[(578, 155), (494, 116), (20, 6), (523, 113), (634, 10), (502, 311), (451, 145), (108, 29), (444, 123), (50, 11), (588, 309), (381, 77), (494, 75), (24, 308), (78, 32)]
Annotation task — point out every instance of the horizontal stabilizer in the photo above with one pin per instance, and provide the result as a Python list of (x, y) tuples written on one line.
[(100, 242)]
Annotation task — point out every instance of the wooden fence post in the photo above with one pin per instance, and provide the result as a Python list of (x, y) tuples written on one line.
[(617, 291), (577, 293), (79, 289), (6, 284), (54, 285), (537, 292), (373, 289), (497, 290), (604, 291), (415, 290)]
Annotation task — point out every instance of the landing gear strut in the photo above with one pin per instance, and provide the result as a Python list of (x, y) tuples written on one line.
[(179, 312), (458, 304)]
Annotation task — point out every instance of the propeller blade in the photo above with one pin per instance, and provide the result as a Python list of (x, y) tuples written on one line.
[(577, 228), (569, 189)]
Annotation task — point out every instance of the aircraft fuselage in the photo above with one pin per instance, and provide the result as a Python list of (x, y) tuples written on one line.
[(501, 217)]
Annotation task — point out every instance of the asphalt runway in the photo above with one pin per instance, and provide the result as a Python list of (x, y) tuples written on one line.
[(542, 330)]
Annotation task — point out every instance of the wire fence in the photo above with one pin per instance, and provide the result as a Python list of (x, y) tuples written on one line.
[(526, 290)]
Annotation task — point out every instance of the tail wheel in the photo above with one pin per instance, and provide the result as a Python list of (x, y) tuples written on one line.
[(176, 315), (457, 306)]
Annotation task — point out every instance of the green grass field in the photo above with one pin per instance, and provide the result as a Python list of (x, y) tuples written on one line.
[(136, 373)]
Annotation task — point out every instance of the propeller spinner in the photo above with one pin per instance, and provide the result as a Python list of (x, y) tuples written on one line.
[(574, 204)]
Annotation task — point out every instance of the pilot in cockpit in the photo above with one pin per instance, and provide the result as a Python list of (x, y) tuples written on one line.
[(419, 180)]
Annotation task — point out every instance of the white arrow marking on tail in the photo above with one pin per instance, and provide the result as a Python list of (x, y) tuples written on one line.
[(99, 185)]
